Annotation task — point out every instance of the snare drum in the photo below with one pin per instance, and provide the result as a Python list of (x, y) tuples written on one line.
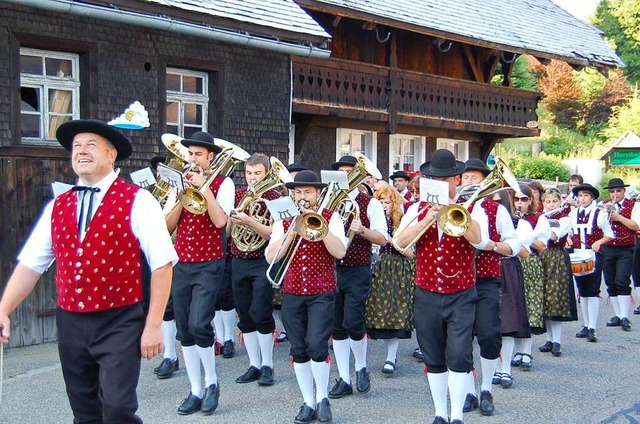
[(582, 263)]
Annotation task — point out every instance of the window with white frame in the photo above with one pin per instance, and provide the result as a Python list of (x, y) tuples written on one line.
[(49, 93), (406, 152), (187, 101), (349, 141), (460, 148)]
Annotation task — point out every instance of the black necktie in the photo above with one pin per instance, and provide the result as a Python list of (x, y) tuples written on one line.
[(581, 215), (84, 189)]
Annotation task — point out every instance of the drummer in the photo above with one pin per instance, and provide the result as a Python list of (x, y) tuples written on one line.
[(591, 230)]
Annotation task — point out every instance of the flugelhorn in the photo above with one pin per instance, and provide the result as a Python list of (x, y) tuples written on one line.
[(177, 158)]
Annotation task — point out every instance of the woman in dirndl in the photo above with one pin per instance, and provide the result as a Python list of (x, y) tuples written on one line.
[(527, 208), (389, 314), (560, 298)]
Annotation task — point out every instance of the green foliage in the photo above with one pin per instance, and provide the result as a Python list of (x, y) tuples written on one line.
[(629, 176), (625, 117), (522, 76), (540, 168)]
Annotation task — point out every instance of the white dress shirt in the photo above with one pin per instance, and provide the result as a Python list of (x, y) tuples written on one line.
[(375, 213), (504, 225), (336, 227)]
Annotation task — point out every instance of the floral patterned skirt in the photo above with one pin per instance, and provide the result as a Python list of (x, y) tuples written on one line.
[(534, 292), (560, 297)]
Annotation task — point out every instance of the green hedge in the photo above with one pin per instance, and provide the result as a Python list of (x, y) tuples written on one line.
[(540, 168)]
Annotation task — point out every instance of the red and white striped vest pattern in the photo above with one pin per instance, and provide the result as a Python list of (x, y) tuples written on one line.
[(259, 253), (359, 251), (596, 233), (103, 271), (488, 262), (445, 267), (623, 235), (313, 269), (197, 239)]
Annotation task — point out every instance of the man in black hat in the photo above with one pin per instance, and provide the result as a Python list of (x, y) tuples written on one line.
[(199, 273), (354, 285), (309, 288), (96, 233), (591, 230), (618, 253), (400, 181), (445, 293), (498, 225)]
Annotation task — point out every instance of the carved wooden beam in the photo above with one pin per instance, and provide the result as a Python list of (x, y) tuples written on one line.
[(472, 61)]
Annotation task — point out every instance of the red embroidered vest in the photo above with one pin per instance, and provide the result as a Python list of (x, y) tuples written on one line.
[(408, 196), (488, 262), (533, 220), (388, 248), (623, 235), (562, 241), (359, 251), (445, 266), (197, 239), (258, 254), (103, 271), (596, 233), (313, 269)]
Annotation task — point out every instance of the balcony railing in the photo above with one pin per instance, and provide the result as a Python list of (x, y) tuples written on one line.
[(356, 90)]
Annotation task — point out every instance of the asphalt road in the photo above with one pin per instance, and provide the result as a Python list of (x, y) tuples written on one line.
[(590, 383)]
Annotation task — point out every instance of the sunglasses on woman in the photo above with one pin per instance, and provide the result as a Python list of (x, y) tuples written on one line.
[(521, 199)]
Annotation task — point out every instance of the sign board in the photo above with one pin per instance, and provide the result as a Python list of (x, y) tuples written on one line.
[(625, 157)]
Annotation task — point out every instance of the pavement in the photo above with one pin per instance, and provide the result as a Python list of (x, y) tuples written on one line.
[(590, 383)]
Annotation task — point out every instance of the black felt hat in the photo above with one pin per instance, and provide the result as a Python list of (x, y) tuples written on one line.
[(586, 187), (67, 132), (294, 167), (476, 164), (400, 174), (154, 161), (202, 139), (306, 178), (616, 183), (344, 161), (442, 164)]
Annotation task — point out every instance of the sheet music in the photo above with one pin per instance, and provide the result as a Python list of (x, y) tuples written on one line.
[(283, 208), (170, 176), (143, 177), (434, 191)]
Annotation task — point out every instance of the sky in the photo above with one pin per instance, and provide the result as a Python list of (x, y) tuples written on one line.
[(580, 8)]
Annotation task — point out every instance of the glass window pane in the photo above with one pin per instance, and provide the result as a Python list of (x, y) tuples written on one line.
[(173, 82), (30, 125), (173, 129), (31, 65), (60, 101), (61, 68), (30, 99), (192, 113), (192, 85), (189, 131), (172, 113), (54, 122)]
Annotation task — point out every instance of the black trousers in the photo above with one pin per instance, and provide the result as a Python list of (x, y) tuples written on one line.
[(589, 285), (444, 328), (195, 292), (225, 296), (253, 295), (488, 325), (100, 357), (635, 270), (307, 321), (617, 266), (354, 286)]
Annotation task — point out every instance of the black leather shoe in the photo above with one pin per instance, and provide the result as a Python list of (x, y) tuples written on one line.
[(210, 399), (555, 350), (282, 337), (582, 333), (614, 322), (636, 311), (167, 368), (456, 422), (439, 420), (417, 353), (190, 405), (363, 381), (228, 349), (506, 381), (470, 403), (516, 362), (323, 411), (340, 389), (591, 335), (305, 415), (266, 376), (486, 403), (546, 347), (625, 324), (252, 374)]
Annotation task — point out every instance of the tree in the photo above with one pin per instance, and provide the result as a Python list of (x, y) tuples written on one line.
[(625, 117), (562, 94)]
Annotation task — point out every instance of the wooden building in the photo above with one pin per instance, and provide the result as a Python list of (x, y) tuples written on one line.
[(223, 67), (407, 77)]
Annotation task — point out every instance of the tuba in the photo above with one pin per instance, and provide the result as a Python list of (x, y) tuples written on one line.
[(245, 238), (178, 158), (223, 165)]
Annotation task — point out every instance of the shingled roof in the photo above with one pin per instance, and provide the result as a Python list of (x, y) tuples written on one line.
[(536, 27)]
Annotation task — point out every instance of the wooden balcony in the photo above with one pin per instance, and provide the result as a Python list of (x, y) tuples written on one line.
[(355, 90)]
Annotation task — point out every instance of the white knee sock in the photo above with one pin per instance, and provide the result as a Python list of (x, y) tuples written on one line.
[(625, 305), (208, 358), (526, 348), (550, 334), (169, 331), (594, 308), (488, 367), (507, 352), (305, 382), (392, 349), (321, 372), (277, 317), (342, 352), (584, 306), (517, 345), (555, 328), (229, 319), (438, 384), (192, 364), (359, 349), (218, 326), (253, 348), (471, 384), (616, 305), (266, 348), (457, 393)]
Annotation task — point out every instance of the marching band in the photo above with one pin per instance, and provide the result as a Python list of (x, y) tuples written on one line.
[(496, 261)]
